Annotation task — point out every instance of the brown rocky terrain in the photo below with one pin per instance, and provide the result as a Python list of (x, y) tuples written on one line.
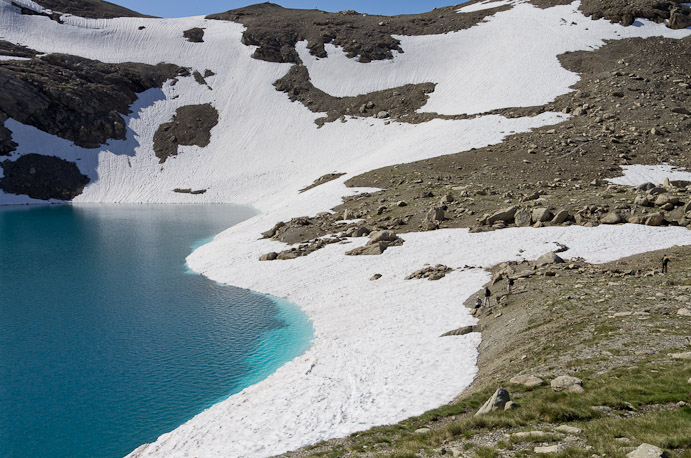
[(631, 106), (191, 125), (93, 9)]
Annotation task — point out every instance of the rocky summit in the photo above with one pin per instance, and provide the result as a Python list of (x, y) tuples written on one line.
[(472, 205)]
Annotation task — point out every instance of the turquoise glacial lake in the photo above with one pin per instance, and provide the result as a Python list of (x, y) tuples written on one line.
[(107, 340)]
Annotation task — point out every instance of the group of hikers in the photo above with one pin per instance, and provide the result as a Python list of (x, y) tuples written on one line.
[(509, 285)]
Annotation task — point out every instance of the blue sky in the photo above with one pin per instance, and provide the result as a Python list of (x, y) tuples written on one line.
[(179, 8)]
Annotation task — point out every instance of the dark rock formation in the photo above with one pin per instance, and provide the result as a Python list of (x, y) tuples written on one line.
[(195, 35), (191, 125), (6, 143), (75, 98), (93, 9), (14, 50), (276, 30), (397, 103), (625, 11), (42, 177)]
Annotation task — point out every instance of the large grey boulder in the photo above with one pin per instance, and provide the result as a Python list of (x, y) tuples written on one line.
[(541, 215), (506, 215), (656, 219), (496, 402), (382, 236), (549, 258), (568, 384), (560, 217), (373, 249), (612, 218), (647, 451), (529, 381), (522, 218)]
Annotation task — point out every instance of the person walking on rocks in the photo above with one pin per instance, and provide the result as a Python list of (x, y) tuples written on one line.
[(665, 263), (488, 294), (509, 284)]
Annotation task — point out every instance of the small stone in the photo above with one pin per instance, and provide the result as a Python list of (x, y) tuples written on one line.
[(375, 277), (568, 384), (647, 451), (566, 429), (402, 203), (422, 431)]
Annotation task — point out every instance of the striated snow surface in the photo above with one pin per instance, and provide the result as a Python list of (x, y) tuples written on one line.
[(376, 357)]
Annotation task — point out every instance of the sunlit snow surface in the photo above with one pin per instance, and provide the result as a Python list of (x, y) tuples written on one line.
[(635, 175), (377, 357)]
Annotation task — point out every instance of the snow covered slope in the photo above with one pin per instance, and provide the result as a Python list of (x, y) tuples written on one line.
[(376, 357)]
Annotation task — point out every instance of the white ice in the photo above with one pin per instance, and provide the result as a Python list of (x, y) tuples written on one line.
[(635, 175)]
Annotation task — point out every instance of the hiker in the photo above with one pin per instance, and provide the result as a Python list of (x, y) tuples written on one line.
[(665, 263), (488, 294), (478, 302), (509, 284)]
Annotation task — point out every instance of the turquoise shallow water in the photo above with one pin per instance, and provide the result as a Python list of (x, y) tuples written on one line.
[(107, 341)]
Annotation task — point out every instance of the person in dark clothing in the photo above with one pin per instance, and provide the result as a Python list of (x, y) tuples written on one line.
[(488, 294), (509, 284), (665, 263)]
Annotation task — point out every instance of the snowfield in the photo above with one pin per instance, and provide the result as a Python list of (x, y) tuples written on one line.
[(376, 357)]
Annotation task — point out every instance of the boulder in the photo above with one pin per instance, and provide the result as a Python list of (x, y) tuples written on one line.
[(435, 214), (656, 219), (664, 199), (684, 356), (549, 258), (382, 236), (560, 217), (373, 249), (566, 429), (642, 201), (496, 402), (522, 218), (375, 277), (568, 384), (460, 331), (269, 257), (612, 218), (647, 451), (645, 187), (447, 199), (506, 215), (684, 312), (541, 215), (526, 380)]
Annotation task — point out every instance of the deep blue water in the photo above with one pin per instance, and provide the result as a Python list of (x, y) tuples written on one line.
[(106, 339)]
